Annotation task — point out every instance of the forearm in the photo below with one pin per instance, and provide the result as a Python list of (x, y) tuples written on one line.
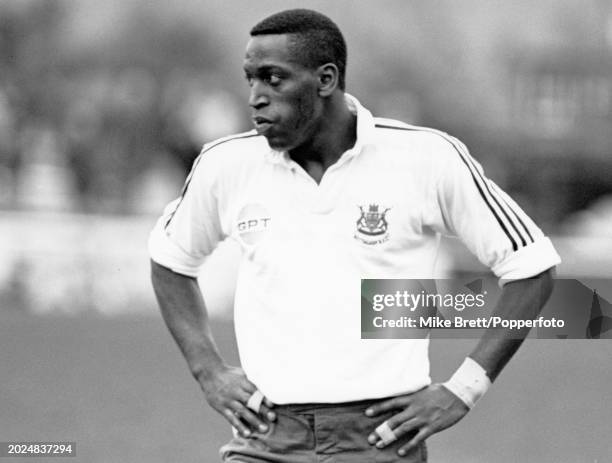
[(437, 407), (226, 388), (522, 299), (184, 312)]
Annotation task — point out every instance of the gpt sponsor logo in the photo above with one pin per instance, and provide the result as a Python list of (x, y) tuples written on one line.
[(251, 225), (253, 222)]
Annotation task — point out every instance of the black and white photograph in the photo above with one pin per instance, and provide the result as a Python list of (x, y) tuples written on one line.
[(306, 231)]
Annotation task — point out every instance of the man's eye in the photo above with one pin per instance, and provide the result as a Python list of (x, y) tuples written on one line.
[(249, 80), (274, 80)]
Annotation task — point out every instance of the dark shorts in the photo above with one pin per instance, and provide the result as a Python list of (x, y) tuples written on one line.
[(319, 433)]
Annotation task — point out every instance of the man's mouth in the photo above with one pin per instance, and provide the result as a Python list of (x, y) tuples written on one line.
[(262, 124)]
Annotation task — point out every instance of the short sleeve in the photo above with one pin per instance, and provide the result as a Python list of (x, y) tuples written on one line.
[(466, 204), (189, 228)]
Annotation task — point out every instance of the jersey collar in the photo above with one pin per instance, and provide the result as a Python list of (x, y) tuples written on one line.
[(365, 133)]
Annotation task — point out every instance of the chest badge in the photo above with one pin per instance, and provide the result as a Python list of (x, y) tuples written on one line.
[(372, 225)]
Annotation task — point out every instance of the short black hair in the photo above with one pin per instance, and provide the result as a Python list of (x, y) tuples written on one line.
[(318, 39)]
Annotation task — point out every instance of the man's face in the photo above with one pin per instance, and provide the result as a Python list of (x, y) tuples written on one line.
[(284, 98)]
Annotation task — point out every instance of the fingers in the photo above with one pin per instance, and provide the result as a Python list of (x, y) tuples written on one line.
[(263, 405), (388, 435), (236, 423), (255, 400), (423, 434), (265, 410), (242, 411), (231, 393), (248, 387), (247, 416), (394, 428), (391, 404), (403, 429)]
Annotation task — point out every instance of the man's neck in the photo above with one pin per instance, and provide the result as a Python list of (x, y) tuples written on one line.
[(337, 134)]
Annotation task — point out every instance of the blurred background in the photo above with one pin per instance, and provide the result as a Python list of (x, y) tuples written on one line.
[(105, 105)]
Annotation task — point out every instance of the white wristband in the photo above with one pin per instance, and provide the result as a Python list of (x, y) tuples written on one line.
[(469, 382)]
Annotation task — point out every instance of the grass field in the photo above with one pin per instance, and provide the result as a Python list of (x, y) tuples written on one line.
[(119, 388)]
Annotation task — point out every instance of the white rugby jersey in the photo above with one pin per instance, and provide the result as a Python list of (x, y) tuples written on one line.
[(305, 248)]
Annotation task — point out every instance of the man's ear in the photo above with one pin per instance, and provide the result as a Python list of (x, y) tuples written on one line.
[(328, 79)]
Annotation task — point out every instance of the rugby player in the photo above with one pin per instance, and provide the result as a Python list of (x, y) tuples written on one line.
[(320, 195)]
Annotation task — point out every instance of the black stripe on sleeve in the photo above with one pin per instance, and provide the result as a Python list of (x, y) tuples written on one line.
[(195, 165), (475, 180), (494, 196), (514, 213), (482, 194)]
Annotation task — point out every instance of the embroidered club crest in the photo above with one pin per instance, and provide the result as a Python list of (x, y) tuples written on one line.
[(372, 225)]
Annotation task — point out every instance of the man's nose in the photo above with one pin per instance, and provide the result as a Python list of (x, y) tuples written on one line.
[(258, 97)]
